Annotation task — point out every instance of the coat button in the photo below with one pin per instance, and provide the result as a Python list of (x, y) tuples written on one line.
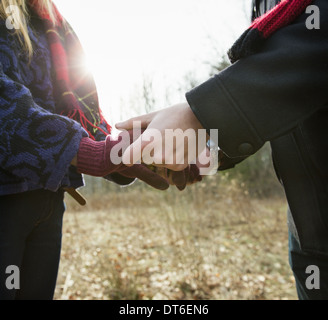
[(246, 149)]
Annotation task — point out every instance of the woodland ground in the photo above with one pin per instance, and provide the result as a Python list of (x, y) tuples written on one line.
[(209, 244)]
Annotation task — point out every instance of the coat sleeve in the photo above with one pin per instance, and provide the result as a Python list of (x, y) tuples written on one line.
[(36, 145), (266, 95)]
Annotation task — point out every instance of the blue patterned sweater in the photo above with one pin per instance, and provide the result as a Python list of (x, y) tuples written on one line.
[(37, 145)]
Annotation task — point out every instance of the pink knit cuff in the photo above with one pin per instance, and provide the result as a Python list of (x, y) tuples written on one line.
[(91, 157)]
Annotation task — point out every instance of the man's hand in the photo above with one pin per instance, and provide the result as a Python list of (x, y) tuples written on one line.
[(175, 155)]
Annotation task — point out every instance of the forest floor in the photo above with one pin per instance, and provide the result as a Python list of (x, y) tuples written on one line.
[(195, 245)]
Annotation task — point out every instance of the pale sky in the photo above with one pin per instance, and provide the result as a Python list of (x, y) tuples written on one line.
[(162, 40)]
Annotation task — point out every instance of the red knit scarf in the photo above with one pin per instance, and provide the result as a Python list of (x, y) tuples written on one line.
[(263, 27), (75, 90)]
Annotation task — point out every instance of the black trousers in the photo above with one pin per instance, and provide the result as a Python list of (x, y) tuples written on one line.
[(30, 244)]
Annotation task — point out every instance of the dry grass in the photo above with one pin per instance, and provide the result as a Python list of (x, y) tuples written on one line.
[(143, 244)]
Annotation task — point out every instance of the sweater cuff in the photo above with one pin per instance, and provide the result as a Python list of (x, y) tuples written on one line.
[(216, 109), (90, 157)]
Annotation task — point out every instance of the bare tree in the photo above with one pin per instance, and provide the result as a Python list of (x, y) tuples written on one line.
[(148, 95)]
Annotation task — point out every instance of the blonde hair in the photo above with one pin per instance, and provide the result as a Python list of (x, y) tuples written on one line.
[(21, 17)]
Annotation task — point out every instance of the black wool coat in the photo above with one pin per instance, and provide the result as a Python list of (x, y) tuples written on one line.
[(280, 95)]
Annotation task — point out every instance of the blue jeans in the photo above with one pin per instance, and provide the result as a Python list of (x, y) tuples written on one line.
[(30, 239), (299, 262)]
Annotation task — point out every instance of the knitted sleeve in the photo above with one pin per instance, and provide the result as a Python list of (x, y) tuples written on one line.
[(36, 146)]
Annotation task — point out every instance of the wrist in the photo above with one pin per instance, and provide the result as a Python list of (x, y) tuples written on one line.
[(90, 158), (190, 117)]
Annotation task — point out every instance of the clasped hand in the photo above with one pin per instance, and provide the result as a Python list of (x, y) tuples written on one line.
[(173, 157), (104, 159)]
